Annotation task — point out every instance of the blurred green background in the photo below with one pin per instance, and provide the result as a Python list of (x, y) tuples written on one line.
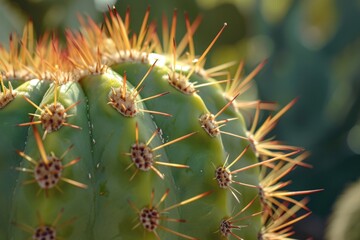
[(313, 52)]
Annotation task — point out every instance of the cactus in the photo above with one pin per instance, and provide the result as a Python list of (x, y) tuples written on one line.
[(344, 219), (122, 135)]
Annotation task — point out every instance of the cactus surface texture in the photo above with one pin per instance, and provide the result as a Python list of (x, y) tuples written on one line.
[(124, 134)]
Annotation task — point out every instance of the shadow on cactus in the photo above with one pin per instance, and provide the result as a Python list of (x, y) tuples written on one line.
[(131, 138)]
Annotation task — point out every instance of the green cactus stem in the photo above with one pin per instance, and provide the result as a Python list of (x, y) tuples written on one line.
[(344, 220)]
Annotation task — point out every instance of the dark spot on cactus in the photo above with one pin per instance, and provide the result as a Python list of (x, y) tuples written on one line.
[(181, 83), (149, 217), (53, 118), (225, 228), (223, 177), (123, 102), (209, 124), (44, 233), (142, 156), (48, 175)]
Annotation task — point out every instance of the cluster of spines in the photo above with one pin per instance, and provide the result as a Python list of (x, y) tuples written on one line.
[(94, 50)]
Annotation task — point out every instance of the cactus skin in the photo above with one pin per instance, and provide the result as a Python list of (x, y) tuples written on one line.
[(132, 156), (16, 112), (49, 202), (344, 220)]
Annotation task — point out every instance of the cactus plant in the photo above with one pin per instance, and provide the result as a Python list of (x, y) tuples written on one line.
[(122, 135), (344, 219)]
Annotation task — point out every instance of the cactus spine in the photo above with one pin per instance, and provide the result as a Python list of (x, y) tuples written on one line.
[(124, 137)]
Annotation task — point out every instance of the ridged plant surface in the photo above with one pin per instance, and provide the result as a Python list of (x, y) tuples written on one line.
[(124, 135), (344, 220)]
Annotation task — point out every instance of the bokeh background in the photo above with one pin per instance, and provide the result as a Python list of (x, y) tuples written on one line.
[(313, 52)]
